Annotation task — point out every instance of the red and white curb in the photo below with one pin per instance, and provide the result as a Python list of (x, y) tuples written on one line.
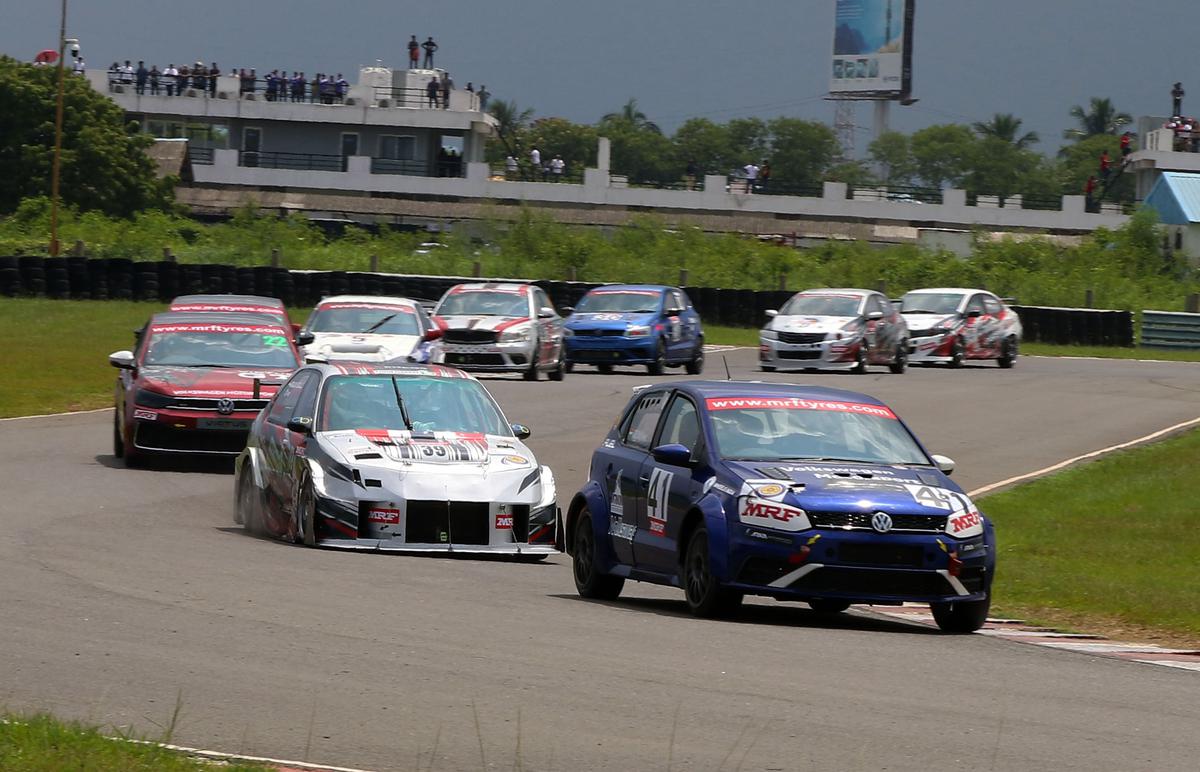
[(1084, 643)]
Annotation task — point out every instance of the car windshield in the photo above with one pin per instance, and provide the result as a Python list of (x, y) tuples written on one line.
[(930, 302), (619, 301), (383, 320), (821, 305), (432, 404), (193, 348), (484, 303), (833, 431)]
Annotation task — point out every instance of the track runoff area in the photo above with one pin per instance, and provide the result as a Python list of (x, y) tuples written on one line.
[(130, 589)]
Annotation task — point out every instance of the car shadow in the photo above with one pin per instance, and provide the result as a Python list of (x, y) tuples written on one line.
[(781, 615), (185, 464)]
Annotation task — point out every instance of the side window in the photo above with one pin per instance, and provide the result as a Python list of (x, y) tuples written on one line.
[(541, 300), (992, 306), (682, 425), (976, 304), (687, 302), (287, 398), (306, 406), (640, 431), (676, 300)]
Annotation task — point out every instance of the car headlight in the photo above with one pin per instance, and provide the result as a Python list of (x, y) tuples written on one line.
[(147, 398), (946, 324), (515, 336), (637, 330), (768, 334)]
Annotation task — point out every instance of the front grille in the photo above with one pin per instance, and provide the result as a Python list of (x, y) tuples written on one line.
[(870, 554), (470, 336), (599, 333), (920, 333), (474, 359), (447, 522), (585, 355), (972, 578), (155, 436), (861, 521), (801, 337), (190, 403), (760, 570), (799, 354), (873, 581)]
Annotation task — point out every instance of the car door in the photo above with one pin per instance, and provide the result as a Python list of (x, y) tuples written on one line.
[(972, 327), (679, 345), (623, 472), (670, 489), (277, 446), (992, 328), (549, 327), (878, 331), (691, 321)]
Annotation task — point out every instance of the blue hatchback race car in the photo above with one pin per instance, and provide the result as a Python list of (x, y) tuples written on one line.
[(799, 493), (635, 324)]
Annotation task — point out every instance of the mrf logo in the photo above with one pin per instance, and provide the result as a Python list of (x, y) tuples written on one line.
[(964, 522), (504, 522), (773, 515)]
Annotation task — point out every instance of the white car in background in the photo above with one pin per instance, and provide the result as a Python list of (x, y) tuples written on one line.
[(502, 327), (950, 325), (367, 328), (834, 329)]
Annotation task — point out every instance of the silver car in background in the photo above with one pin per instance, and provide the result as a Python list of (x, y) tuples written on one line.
[(834, 329), (502, 328), (366, 328)]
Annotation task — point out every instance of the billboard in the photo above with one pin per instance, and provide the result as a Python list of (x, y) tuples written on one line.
[(872, 49)]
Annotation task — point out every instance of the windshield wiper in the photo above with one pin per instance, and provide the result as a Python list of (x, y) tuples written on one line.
[(400, 403), (379, 324)]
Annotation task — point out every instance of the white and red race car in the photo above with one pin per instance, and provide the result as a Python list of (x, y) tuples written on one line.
[(950, 325)]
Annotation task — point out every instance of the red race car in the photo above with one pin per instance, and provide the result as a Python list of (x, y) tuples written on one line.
[(196, 381)]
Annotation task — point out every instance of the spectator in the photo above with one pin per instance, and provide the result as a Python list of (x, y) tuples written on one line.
[(1177, 95), (341, 87), (1126, 141), (557, 167), (318, 88), (1105, 166), (764, 175), (213, 72), (1089, 190), (114, 75), (430, 47), (154, 76), (470, 87), (182, 79), (510, 167), (142, 75), (199, 77), (535, 159), (432, 88), (79, 67), (447, 87), (690, 174), (483, 95), (127, 74), (272, 85), (171, 78), (751, 172), (298, 82), (414, 52)]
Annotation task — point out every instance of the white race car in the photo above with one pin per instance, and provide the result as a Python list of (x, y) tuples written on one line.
[(950, 325), (502, 328), (834, 329), (365, 328), (405, 459)]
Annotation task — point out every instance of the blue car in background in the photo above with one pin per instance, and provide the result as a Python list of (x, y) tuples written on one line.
[(727, 489), (635, 324)]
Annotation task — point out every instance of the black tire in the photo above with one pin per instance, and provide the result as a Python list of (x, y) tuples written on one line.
[(957, 354), (604, 369), (561, 370), (531, 374), (962, 617), (248, 505), (590, 582), (828, 605), (1008, 353), (569, 367), (695, 365), (900, 360), (767, 368), (860, 361), (660, 359), (306, 514), (704, 597), (118, 438)]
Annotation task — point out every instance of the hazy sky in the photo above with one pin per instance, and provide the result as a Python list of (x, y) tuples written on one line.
[(715, 58)]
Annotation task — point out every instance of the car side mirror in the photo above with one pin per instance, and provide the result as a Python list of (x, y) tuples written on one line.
[(771, 312), (673, 454), (316, 359), (122, 360), (546, 312), (974, 313), (568, 310), (302, 425), (522, 431), (944, 463), (305, 338), (432, 334), (874, 315)]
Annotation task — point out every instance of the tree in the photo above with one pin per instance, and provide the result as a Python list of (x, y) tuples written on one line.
[(631, 115), (996, 166), (1006, 127), (104, 165), (1082, 160), (892, 152), (512, 121), (574, 142), (1100, 118), (801, 151), (706, 143), (749, 140), (942, 153)]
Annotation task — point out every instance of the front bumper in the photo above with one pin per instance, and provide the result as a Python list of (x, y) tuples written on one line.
[(824, 355), (931, 348), (610, 349), (489, 357), (190, 431), (861, 567)]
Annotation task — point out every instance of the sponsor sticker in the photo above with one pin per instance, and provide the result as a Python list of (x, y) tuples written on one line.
[(656, 500), (384, 516), (504, 521), (275, 341), (145, 415), (216, 328), (796, 403), (514, 460), (771, 490), (962, 523), (772, 514)]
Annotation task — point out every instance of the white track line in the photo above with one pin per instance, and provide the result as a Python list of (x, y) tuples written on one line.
[(55, 415), (219, 755), (1085, 456)]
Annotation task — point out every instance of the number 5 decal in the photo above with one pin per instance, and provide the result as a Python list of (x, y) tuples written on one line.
[(656, 500)]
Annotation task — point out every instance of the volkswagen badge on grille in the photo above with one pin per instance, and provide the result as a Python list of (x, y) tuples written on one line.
[(225, 406), (881, 522)]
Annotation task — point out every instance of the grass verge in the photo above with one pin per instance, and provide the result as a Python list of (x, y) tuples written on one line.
[(1109, 546), (1110, 352), (42, 743)]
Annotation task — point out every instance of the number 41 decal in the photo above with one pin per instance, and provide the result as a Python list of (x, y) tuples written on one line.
[(656, 500)]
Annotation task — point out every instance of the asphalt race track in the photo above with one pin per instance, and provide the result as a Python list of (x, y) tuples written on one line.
[(124, 591)]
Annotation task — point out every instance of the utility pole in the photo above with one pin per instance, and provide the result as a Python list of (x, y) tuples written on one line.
[(58, 128)]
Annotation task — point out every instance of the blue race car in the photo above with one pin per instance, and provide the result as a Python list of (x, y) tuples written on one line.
[(793, 492), (635, 324)]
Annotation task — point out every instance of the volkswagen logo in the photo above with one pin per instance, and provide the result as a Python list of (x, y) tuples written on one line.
[(881, 522), (225, 406)]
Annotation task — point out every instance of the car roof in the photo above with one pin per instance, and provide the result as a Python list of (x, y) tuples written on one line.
[(216, 317), (718, 389), (946, 290), (837, 291), (366, 369), (491, 285), (227, 300), (377, 299), (631, 288)]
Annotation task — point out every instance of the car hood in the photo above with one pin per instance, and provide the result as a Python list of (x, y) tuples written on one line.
[(211, 382), (362, 347), (402, 449), (803, 323), (488, 323), (923, 321), (607, 320), (851, 487)]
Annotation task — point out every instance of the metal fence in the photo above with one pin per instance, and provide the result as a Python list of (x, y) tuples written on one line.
[(1167, 329), (295, 161), (201, 155)]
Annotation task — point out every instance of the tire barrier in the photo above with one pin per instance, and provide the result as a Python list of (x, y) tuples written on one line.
[(1076, 326), (121, 279)]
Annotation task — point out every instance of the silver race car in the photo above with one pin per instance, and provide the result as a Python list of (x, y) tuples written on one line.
[(366, 328), (949, 325), (834, 329), (406, 459), (502, 328)]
